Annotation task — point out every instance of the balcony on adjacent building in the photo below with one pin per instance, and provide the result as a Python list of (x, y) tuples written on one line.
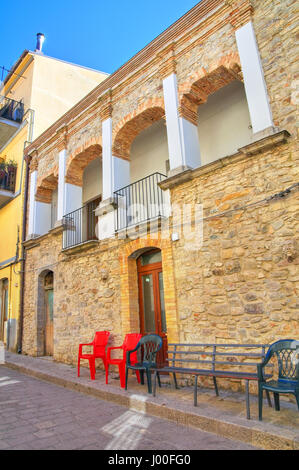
[(80, 226), (141, 202), (7, 183), (11, 117)]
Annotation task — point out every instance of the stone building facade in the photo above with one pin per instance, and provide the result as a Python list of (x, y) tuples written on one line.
[(239, 285)]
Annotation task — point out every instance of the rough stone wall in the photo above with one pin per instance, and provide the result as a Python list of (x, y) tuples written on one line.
[(205, 55), (48, 163), (141, 90), (40, 258), (87, 130), (86, 300), (242, 285)]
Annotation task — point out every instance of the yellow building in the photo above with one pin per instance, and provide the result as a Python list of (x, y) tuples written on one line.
[(35, 93)]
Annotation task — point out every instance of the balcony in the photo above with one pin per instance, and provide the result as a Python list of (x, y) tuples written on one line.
[(7, 183), (11, 117), (80, 226), (141, 202)]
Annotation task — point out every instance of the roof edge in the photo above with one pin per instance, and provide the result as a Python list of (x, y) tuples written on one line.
[(14, 67)]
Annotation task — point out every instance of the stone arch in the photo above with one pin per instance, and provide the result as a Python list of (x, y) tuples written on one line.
[(128, 256), (41, 309), (205, 82), (142, 251), (135, 122), (45, 188), (80, 159)]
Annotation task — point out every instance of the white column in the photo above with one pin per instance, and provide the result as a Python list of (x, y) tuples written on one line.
[(69, 195), (61, 186), (32, 206), (183, 143), (107, 166), (116, 175), (254, 80), (116, 171), (39, 221)]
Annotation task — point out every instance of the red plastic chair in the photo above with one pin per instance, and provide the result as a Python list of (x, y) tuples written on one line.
[(129, 343), (99, 352)]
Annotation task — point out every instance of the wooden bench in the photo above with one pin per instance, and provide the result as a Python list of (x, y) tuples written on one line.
[(236, 361)]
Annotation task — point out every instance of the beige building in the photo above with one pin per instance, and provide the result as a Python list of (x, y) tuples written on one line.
[(203, 118), (35, 93)]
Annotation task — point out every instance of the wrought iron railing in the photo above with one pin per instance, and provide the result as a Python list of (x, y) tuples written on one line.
[(11, 109), (80, 226), (140, 202), (8, 178)]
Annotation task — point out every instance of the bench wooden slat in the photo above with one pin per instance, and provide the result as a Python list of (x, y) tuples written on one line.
[(252, 364), (211, 373), (209, 353)]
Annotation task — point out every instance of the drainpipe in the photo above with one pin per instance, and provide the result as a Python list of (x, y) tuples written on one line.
[(31, 114), (9, 310), (23, 258)]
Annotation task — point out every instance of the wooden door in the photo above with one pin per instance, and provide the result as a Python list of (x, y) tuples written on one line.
[(49, 322), (49, 299), (151, 299)]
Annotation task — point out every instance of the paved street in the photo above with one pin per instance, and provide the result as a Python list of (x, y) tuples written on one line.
[(38, 415)]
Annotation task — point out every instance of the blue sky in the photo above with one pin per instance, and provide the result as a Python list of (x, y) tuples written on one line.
[(101, 34)]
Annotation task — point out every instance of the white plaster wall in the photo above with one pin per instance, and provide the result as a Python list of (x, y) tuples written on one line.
[(92, 180), (22, 88), (223, 123), (73, 198), (149, 152), (43, 218), (57, 86)]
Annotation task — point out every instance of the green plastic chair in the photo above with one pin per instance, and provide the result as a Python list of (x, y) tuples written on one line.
[(287, 354), (148, 347)]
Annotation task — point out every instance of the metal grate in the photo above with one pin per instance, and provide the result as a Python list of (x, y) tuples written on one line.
[(80, 226), (8, 179), (140, 201), (11, 109)]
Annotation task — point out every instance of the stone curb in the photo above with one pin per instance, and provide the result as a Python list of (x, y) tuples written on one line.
[(282, 440)]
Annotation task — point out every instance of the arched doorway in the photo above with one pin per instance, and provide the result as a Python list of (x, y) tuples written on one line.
[(45, 317), (151, 298)]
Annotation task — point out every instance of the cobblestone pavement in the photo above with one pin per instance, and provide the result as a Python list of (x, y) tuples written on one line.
[(38, 415)]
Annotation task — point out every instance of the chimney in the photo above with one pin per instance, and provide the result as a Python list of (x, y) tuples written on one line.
[(39, 42)]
